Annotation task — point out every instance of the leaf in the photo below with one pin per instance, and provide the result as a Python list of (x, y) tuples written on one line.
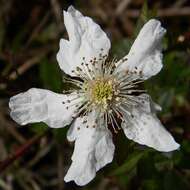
[(39, 127), (60, 134), (129, 164), (152, 184), (146, 167), (166, 99), (121, 48), (174, 181), (50, 75)]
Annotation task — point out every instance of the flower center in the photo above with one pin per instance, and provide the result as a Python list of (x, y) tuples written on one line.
[(100, 92), (107, 92)]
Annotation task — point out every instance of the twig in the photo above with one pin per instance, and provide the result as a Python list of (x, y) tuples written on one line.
[(122, 6), (4, 185), (40, 154), (19, 152), (23, 68), (179, 3), (3, 151), (170, 12), (36, 30), (28, 64), (6, 125), (58, 13)]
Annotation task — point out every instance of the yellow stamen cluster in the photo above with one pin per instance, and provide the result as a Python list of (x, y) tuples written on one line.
[(100, 92)]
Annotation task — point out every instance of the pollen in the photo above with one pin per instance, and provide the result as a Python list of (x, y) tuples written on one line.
[(101, 92)]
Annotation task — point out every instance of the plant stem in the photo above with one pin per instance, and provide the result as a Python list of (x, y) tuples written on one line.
[(19, 152)]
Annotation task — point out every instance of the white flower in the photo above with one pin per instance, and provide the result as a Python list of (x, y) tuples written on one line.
[(107, 96)]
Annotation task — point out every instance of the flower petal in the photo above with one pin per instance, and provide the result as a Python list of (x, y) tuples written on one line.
[(36, 105), (93, 150), (145, 128), (145, 56), (86, 40)]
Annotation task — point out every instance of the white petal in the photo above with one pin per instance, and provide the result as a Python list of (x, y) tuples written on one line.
[(143, 102), (146, 129), (86, 39), (93, 150), (148, 104), (36, 105), (145, 56)]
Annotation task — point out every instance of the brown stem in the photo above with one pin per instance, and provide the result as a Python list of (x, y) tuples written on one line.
[(168, 12), (19, 152)]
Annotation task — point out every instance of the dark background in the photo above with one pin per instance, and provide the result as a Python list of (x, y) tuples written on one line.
[(29, 38)]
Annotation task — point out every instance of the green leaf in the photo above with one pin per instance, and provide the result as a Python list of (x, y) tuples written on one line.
[(60, 134), (146, 167), (174, 181), (50, 75), (152, 184), (166, 99), (39, 127), (130, 163), (121, 48)]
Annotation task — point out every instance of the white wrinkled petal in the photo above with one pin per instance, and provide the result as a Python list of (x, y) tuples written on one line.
[(148, 104), (93, 150), (145, 56), (145, 128), (143, 102), (104, 151), (38, 105), (86, 39)]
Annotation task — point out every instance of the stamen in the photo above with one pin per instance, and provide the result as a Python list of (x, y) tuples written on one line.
[(111, 95), (115, 121), (110, 121)]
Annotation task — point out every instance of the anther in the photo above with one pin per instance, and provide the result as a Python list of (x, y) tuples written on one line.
[(124, 59), (85, 121), (78, 69), (117, 99)]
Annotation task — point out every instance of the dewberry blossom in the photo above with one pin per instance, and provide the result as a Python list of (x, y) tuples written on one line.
[(107, 97)]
